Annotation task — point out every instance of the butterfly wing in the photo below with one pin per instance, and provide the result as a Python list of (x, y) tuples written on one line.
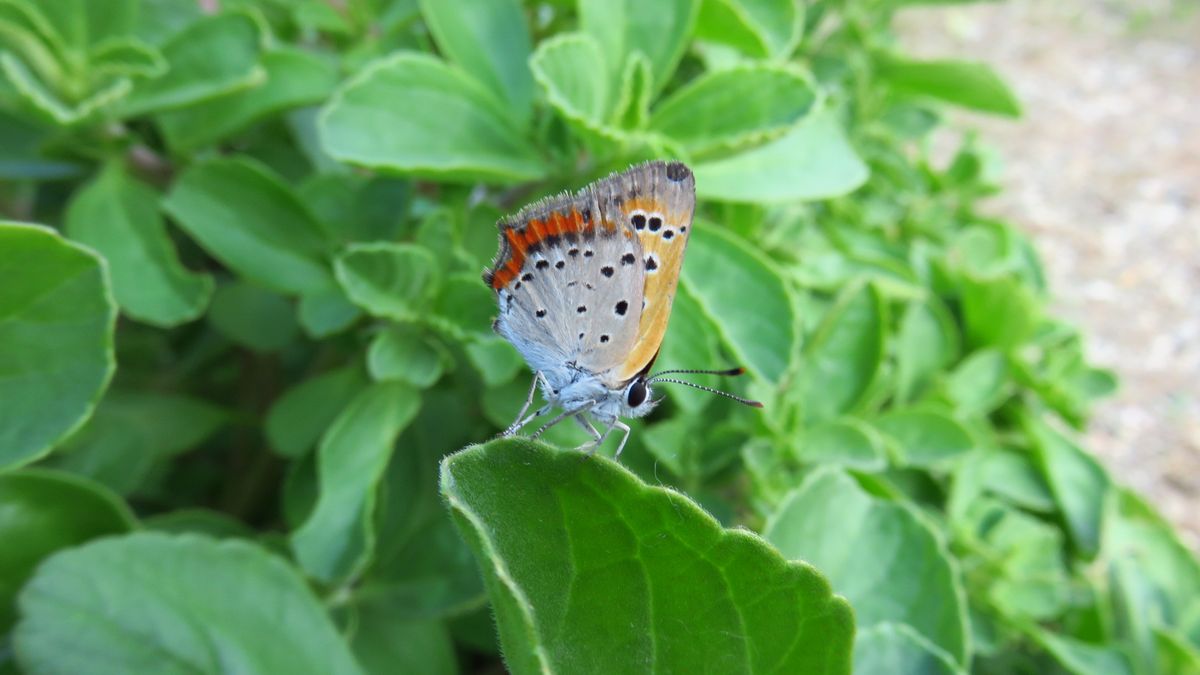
[(568, 281), (659, 204)]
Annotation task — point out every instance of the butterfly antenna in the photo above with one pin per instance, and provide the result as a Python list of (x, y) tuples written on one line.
[(718, 392), (730, 372)]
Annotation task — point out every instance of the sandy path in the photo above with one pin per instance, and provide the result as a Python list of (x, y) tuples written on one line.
[(1104, 171)]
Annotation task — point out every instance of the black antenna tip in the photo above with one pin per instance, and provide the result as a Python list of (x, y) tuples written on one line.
[(734, 372), (754, 404)]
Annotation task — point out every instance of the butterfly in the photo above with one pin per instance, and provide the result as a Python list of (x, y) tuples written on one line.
[(585, 284)]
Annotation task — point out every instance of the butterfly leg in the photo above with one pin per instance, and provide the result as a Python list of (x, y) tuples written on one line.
[(586, 405), (521, 420), (597, 438), (623, 427)]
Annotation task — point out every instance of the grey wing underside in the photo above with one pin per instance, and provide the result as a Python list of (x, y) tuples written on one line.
[(578, 300)]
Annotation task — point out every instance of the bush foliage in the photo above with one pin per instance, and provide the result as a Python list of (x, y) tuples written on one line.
[(272, 214)]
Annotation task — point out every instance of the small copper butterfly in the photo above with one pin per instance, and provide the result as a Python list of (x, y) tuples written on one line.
[(585, 283)]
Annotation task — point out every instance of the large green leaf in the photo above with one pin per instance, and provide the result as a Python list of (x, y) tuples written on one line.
[(57, 317), (389, 280), (735, 107), (211, 57), (659, 30), (812, 161), (1079, 484), (246, 217), (489, 40), (153, 602), (927, 341), (118, 216), (592, 571), (132, 432), (843, 357), (294, 78), (890, 564), (415, 114), (971, 85), (42, 512), (407, 356), (745, 297), (337, 539)]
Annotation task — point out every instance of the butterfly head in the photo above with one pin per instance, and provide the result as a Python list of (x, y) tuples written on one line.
[(635, 399)]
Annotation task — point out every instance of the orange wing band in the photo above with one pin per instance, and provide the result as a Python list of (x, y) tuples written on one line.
[(535, 232)]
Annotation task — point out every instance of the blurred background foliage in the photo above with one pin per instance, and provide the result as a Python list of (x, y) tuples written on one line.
[(248, 326)]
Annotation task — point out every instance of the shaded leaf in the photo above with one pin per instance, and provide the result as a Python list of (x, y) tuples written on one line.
[(757, 27), (659, 30), (812, 161), (735, 107), (489, 40), (389, 280), (971, 85), (842, 359), (405, 356), (45, 511), (57, 317), (118, 216), (412, 113), (744, 295), (1079, 484), (887, 561), (253, 317), (177, 604), (888, 648), (925, 436), (246, 217), (299, 417), (337, 539), (210, 57)]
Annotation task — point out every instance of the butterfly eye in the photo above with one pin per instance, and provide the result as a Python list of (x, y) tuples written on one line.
[(637, 394)]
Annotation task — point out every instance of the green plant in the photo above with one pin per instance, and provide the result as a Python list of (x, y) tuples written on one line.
[(287, 204)]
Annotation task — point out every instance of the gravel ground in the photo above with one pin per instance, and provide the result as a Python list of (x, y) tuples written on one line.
[(1104, 172)]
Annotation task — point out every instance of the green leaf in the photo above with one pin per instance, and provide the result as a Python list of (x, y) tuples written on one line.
[(132, 432), (337, 540), (632, 106), (81, 23), (847, 442), (118, 216), (980, 383), (495, 359), (971, 85), (214, 524), (1000, 313), (925, 437), (126, 56), (57, 317), (385, 643), (691, 342), (736, 107), (881, 555), (45, 511), (388, 280), (299, 417), (889, 648), (563, 67), (247, 218), (659, 30), (1079, 484), (757, 27), (253, 317), (812, 161), (842, 359), (173, 604), (211, 57), (324, 314), (1140, 538), (412, 113), (621, 577), (926, 342), (489, 40), (744, 295), (405, 356), (1081, 658), (294, 78)]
